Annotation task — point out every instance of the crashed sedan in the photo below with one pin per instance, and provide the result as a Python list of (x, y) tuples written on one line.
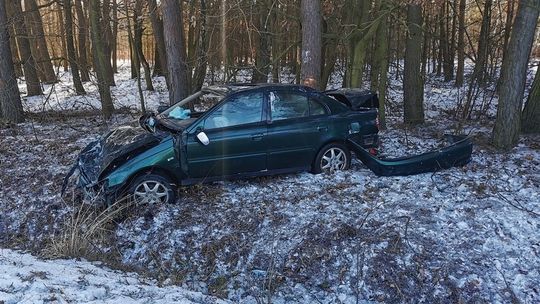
[(247, 131)]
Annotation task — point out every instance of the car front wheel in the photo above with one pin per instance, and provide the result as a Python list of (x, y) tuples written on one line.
[(152, 189), (332, 157)]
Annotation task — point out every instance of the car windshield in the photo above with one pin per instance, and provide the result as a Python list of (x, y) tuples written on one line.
[(201, 101)]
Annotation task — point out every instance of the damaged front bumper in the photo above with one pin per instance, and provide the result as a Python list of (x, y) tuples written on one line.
[(458, 153)]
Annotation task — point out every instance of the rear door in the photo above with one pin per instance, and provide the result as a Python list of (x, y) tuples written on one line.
[(297, 128), (237, 135)]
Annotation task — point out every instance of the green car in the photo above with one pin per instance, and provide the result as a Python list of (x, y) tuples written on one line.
[(246, 131)]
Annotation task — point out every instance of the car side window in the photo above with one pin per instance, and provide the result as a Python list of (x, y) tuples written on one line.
[(239, 110), (286, 105), (316, 108)]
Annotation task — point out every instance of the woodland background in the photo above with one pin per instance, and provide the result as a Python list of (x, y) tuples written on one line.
[(187, 40)]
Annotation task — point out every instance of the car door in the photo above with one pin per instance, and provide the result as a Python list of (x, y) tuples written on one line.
[(237, 138), (297, 129)]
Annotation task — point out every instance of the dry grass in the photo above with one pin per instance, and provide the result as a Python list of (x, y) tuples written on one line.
[(85, 229)]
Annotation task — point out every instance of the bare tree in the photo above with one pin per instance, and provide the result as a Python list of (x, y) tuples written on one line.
[(176, 53), (82, 27), (31, 77), (530, 119), (513, 73), (157, 28), (70, 45), (100, 59), (460, 73), (10, 99), (413, 84), (40, 50), (311, 42)]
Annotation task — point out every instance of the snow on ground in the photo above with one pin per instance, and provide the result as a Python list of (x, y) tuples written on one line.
[(27, 279), (465, 234)]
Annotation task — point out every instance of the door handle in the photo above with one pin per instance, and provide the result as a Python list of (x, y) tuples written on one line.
[(257, 137), (322, 129)]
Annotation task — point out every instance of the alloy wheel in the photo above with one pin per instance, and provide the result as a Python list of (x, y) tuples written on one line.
[(334, 159), (150, 192)]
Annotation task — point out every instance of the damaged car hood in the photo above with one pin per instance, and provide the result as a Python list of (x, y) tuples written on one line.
[(112, 150)]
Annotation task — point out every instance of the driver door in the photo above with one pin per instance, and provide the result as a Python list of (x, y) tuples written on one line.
[(237, 139)]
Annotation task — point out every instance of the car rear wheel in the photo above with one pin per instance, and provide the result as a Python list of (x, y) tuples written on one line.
[(152, 189), (332, 157)]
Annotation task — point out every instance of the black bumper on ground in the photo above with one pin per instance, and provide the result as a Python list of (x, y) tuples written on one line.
[(458, 153)]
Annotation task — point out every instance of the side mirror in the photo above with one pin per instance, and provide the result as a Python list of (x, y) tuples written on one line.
[(203, 138), (354, 128)]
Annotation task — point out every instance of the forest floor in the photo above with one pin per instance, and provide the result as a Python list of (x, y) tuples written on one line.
[(466, 234)]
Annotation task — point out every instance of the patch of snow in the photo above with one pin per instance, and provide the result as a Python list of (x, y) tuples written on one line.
[(27, 279)]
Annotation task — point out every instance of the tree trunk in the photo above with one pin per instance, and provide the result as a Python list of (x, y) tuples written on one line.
[(41, 54), (107, 40), (530, 119), (478, 77), (100, 59), (15, 52), (114, 36), (137, 44), (31, 77), (262, 53), (176, 53), (513, 73), (202, 51), (82, 33), (62, 29), (359, 43), (10, 98), (480, 66), (380, 80), (460, 73), (507, 30), (157, 28), (413, 84), (72, 58), (311, 43)]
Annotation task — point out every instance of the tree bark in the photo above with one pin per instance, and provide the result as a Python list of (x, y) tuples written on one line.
[(507, 30), (137, 44), (202, 51), (10, 98), (380, 79), (413, 84), (176, 53), (114, 36), (100, 59), (31, 77), (262, 53), (460, 73), (157, 28), (70, 45), (311, 42), (530, 118), (359, 42), (513, 73), (41, 54), (15, 52), (107, 40), (83, 34)]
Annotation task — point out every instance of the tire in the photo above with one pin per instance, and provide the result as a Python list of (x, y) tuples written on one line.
[(152, 189), (342, 162)]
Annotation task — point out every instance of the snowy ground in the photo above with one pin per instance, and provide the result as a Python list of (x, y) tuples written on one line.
[(27, 279), (462, 235)]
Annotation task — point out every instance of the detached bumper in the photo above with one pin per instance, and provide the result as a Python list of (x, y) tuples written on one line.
[(458, 153)]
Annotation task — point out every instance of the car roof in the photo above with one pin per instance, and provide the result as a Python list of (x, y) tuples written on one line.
[(229, 88)]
